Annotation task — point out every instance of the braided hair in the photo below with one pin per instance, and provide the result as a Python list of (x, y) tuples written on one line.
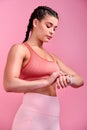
[(39, 13)]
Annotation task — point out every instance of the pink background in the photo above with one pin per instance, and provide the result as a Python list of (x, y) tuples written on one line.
[(69, 43)]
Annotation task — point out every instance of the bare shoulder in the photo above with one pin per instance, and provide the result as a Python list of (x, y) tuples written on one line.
[(18, 48)]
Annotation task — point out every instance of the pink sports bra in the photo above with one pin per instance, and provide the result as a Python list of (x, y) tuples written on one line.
[(37, 67)]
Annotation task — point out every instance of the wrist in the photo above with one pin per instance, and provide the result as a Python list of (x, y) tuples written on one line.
[(72, 81)]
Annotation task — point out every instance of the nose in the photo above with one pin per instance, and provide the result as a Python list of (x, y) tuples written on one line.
[(51, 31)]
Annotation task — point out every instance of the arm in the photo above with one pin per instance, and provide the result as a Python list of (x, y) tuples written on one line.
[(11, 80), (71, 77)]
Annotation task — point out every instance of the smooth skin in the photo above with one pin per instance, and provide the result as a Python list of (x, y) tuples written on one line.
[(19, 56)]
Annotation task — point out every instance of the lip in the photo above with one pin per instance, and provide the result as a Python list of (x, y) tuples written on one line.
[(49, 37)]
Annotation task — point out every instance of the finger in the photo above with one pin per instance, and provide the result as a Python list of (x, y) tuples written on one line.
[(56, 74), (68, 79), (61, 81), (62, 73), (58, 84), (64, 81)]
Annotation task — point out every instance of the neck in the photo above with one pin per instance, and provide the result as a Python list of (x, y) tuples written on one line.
[(33, 41)]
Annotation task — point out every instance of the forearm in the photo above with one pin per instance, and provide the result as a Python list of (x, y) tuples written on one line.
[(22, 86), (18, 85), (72, 80)]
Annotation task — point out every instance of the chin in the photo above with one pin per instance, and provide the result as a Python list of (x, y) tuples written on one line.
[(47, 40)]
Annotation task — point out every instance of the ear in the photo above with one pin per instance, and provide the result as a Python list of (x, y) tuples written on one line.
[(35, 22)]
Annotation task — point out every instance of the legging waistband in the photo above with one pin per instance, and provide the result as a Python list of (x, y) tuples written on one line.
[(42, 103)]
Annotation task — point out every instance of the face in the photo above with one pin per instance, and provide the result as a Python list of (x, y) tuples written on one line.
[(45, 28)]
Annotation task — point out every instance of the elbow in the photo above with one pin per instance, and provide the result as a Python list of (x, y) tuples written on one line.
[(7, 86)]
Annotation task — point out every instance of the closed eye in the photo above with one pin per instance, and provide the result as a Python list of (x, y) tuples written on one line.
[(48, 26)]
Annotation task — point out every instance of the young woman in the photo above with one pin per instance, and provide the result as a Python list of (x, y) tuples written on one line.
[(31, 70)]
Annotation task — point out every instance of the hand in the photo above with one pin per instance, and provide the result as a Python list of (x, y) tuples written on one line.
[(63, 81), (54, 76)]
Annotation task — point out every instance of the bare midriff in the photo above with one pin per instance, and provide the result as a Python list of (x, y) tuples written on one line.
[(48, 90)]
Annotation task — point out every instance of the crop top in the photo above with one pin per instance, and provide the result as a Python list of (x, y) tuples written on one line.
[(37, 67)]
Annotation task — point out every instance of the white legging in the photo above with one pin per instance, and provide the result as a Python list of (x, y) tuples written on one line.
[(37, 112)]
